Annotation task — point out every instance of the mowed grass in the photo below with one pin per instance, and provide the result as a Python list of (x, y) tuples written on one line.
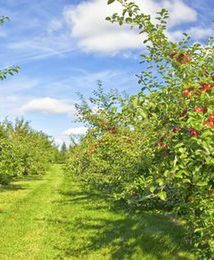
[(24, 209), (54, 217)]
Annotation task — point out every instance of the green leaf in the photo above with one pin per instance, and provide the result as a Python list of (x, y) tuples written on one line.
[(110, 1), (162, 195), (143, 114), (135, 102), (152, 189), (202, 183)]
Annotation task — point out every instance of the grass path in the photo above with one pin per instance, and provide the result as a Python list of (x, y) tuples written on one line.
[(55, 218), (24, 210)]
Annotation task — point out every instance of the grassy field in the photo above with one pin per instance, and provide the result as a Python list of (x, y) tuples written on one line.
[(53, 217)]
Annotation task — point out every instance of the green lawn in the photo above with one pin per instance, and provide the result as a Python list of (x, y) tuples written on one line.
[(55, 218)]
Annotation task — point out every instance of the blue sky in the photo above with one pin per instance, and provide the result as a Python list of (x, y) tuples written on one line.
[(65, 46)]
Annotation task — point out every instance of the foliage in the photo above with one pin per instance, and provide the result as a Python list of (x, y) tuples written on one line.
[(156, 148), (24, 151), (61, 157)]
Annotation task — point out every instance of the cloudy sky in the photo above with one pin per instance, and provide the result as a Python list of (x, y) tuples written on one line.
[(64, 46)]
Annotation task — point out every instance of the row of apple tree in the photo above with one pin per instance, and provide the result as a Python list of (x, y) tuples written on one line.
[(23, 151), (155, 149)]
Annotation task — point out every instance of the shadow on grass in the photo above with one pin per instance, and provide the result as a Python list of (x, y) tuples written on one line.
[(84, 197), (125, 235), (30, 178), (14, 186)]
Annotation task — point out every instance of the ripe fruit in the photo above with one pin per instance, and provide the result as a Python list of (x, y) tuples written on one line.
[(212, 124), (212, 77), (187, 92), (206, 86), (184, 58), (200, 109), (210, 121), (209, 124), (160, 144), (211, 117), (193, 132)]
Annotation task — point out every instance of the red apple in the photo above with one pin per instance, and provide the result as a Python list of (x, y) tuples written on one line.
[(206, 86), (209, 124), (193, 132), (160, 144), (184, 58), (211, 117), (200, 109), (187, 92)]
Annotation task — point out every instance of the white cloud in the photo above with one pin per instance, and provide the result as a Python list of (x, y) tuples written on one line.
[(196, 33), (84, 26), (94, 34), (74, 131), (48, 105), (179, 12)]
